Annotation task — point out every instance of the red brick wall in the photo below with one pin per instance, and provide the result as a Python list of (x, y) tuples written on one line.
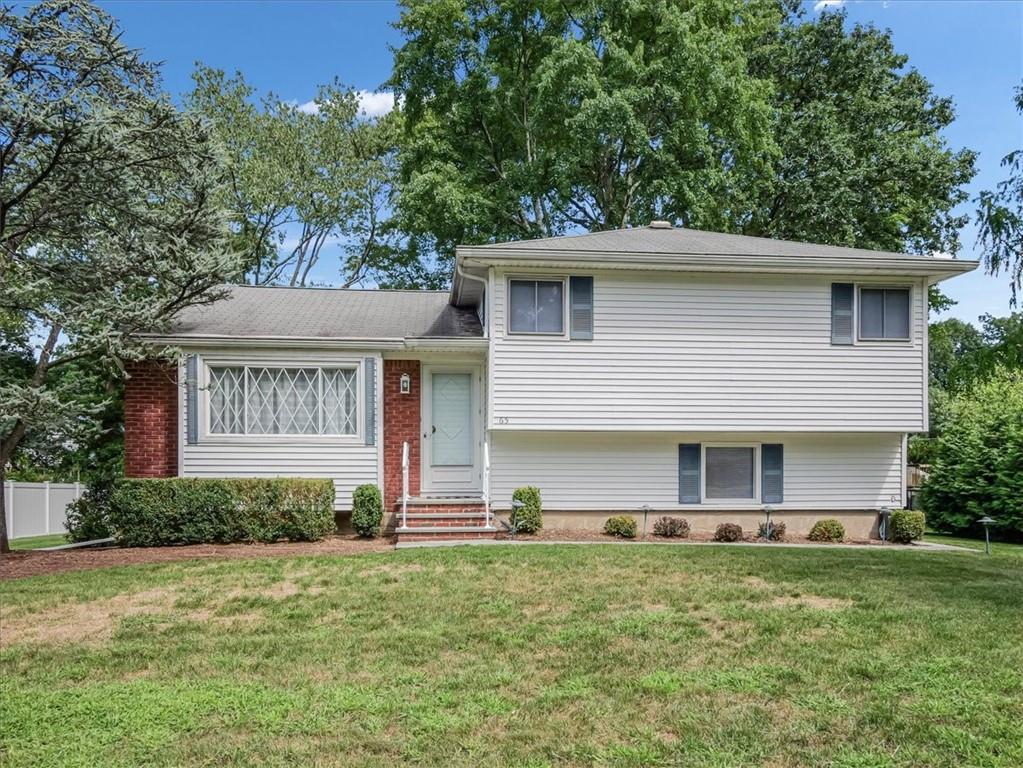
[(151, 420), (401, 423)]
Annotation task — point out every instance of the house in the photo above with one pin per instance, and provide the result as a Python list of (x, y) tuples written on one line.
[(700, 374)]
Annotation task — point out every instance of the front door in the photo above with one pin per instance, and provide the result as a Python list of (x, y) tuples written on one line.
[(451, 463)]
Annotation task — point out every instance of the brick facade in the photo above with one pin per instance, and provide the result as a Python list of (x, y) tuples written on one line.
[(151, 420), (401, 424)]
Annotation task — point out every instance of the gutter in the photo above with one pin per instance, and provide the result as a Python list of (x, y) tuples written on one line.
[(314, 342)]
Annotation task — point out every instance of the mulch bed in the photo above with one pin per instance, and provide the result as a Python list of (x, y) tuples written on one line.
[(18, 565), (573, 534)]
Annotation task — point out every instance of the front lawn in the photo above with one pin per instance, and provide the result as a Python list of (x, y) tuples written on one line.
[(520, 656), (38, 542)]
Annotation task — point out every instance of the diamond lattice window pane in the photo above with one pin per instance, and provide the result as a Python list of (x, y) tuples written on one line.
[(339, 402), (227, 401)]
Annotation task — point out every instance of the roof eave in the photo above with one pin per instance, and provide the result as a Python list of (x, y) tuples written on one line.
[(316, 342), (519, 257)]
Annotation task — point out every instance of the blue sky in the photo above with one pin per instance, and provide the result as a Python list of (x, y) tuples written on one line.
[(970, 50)]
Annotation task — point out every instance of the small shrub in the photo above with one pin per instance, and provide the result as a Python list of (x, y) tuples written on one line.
[(367, 510), (906, 525), (528, 519), (728, 532), (777, 531), (828, 529), (671, 527), (182, 510), (87, 515), (622, 526)]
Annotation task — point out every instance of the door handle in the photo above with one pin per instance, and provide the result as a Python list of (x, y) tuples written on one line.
[(434, 430)]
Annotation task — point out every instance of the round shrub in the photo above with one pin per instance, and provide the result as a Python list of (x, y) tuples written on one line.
[(622, 526), (828, 529), (528, 518), (728, 532), (671, 527), (87, 515), (367, 510), (777, 531), (906, 525)]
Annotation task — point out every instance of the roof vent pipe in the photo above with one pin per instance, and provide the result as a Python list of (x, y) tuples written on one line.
[(660, 224)]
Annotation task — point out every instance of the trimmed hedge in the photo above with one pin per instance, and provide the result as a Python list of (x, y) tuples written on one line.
[(622, 526), (528, 519), (367, 510), (828, 529), (184, 510), (906, 526)]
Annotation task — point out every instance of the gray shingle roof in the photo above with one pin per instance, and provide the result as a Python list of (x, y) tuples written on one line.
[(681, 241), (330, 313)]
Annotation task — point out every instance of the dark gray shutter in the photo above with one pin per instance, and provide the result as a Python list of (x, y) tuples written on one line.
[(689, 473), (581, 315), (371, 400), (772, 473), (192, 399), (842, 295)]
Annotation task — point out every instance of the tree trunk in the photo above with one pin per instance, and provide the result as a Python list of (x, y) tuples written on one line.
[(5, 545)]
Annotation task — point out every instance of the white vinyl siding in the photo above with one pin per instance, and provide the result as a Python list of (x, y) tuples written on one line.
[(673, 352), (345, 459), (615, 471)]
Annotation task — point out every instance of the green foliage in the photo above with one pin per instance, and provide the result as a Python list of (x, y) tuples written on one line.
[(828, 529), (528, 519), (367, 510), (728, 532), (324, 169), (671, 527), (148, 513), (1000, 216), (777, 531), (907, 525), (978, 467), (622, 526), (87, 515), (110, 223), (529, 119)]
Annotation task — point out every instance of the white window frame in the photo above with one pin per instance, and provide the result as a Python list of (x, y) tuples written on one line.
[(748, 501), (537, 279), (203, 401), (857, 312)]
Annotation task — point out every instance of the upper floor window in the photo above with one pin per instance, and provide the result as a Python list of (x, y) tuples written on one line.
[(884, 314), (537, 306), (257, 400)]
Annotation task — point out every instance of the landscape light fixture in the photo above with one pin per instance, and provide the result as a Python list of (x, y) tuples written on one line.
[(647, 509), (884, 515), (986, 521), (516, 506), (768, 526)]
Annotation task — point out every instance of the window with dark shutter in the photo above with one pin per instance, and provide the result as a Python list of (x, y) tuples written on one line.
[(689, 473), (371, 400), (772, 473), (842, 297), (581, 315)]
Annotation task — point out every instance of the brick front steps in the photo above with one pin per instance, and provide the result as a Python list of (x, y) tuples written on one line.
[(443, 520)]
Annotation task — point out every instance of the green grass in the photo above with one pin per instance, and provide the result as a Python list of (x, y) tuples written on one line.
[(997, 547), (521, 656), (37, 542)]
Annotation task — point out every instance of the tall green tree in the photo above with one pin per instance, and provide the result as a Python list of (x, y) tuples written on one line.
[(1000, 216), (530, 119), (533, 119), (306, 181), (109, 223)]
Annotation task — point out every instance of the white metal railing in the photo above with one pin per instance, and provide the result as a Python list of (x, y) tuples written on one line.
[(486, 483), (404, 485)]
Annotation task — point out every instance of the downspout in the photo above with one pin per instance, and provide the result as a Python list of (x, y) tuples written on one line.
[(466, 276), (486, 334)]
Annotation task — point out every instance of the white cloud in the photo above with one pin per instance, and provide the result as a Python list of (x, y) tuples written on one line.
[(820, 5), (372, 103)]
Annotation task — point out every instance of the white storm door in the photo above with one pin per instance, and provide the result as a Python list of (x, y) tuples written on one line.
[(451, 451)]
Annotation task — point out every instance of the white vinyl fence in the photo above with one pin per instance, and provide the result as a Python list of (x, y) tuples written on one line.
[(36, 509)]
